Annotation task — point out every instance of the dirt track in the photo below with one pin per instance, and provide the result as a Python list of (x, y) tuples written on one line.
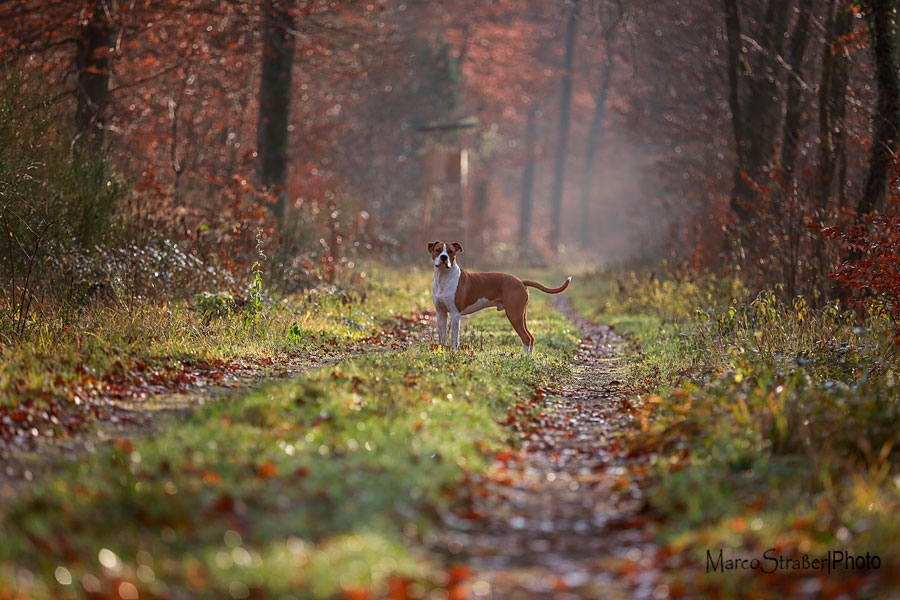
[(125, 409), (561, 518)]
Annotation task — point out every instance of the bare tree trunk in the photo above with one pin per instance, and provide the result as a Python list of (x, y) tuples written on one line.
[(832, 139), (735, 70), (526, 205), (883, 26), (753, 144), (832, 102), (94, 44), (595, 135), (562, 139), (275, 100), (841, 148), (480, 201), (793, 119)]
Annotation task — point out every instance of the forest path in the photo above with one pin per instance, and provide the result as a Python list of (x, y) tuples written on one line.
[(118, 413), (561, 518)]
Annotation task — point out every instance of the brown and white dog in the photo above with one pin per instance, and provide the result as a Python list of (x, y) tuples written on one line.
[(456, 293)]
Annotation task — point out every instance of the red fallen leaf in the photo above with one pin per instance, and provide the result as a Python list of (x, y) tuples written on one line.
[(225, 503), (196, 576), (210, 477), (559, 584), (757, 504), (457, 592), (266, 470), (459, 573), (627, 568), (216, 376), (357, 593), (398, 588), (123, 444)]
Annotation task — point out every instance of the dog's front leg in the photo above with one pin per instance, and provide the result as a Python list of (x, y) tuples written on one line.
[(454, 330), (442, 327)]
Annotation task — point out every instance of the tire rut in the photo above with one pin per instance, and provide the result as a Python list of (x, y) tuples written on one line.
[(562, 517), (23, 463)]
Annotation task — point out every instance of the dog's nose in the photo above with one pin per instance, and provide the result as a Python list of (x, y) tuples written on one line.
[(443, 258)]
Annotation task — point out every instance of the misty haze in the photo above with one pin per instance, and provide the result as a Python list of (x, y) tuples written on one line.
[(449, 299)]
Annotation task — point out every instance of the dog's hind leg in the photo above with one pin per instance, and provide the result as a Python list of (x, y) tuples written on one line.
[(517, 320), (529, 347)]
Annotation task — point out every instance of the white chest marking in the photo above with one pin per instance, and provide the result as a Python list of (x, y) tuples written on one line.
[(443, 291), (480, 304)]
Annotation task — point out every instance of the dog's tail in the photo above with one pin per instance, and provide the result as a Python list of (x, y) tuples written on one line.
[(547, 290)]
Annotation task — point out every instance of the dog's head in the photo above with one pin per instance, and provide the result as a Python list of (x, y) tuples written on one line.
[(443, 254)]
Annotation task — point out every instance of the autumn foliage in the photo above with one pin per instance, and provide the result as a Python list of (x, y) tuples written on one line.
[(688, 142), (872, 269)]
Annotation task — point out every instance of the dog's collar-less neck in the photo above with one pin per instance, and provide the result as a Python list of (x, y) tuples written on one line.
[(440, 273)]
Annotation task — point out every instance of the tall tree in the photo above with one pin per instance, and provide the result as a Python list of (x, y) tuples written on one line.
[(596, 132), (526, 203), (754, 141), (794, 108), (832, 99), (882, 18), (94, 45), (559, 165), (735, 73), (275, 99)]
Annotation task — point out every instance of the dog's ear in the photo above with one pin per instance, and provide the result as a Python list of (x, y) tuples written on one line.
[(457, 246), (431, 245)]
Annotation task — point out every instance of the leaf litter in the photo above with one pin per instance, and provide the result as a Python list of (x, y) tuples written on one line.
[(563, 515)]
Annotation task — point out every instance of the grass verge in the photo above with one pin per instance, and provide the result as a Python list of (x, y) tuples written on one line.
[(328, 486), (104, 334), (774, 428), (58, 381)]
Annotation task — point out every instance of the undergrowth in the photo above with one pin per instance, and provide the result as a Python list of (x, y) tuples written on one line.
[(206, 327), (773, 425)]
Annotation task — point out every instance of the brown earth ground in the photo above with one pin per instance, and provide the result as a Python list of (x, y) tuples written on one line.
[(562, 517)]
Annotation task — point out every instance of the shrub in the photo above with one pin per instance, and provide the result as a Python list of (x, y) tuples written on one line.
[(54, 194), (873, 266), (213, 304)]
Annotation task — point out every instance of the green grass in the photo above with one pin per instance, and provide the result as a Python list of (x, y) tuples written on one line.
[(771, 424), (105, 333), (314, 488)]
